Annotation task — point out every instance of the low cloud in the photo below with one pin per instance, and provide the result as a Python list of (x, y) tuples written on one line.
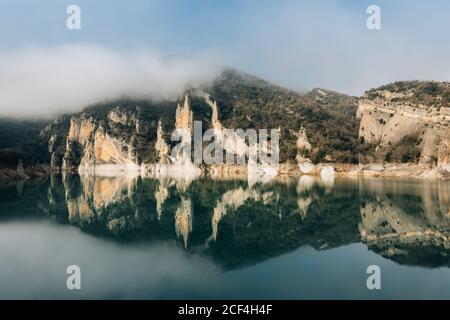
[(42, 82)]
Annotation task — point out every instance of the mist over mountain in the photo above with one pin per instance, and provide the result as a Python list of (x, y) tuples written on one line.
[(320, 126), (45, 82)]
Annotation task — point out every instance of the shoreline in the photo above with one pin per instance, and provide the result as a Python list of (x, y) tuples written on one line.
[(373, 170), (393, 170)]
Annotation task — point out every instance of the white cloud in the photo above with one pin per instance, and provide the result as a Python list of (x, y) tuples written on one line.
[(296, 44), (47, 81)]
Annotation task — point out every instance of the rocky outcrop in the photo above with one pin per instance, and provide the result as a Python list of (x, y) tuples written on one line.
[(91, 149), (176, 161), (405, 129), (444, 151), (231, 141), (305, 164), (407, 123), (184, 126), (99, 144), (161, 146), (106, 153), (302, 140)]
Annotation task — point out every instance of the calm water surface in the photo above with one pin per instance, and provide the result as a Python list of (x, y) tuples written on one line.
[(292, 238)]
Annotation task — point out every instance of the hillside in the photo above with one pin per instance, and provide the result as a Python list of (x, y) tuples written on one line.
[(399, 122), (426, 94), (20, 140), (247, 102), (407, 122), (128, 128)]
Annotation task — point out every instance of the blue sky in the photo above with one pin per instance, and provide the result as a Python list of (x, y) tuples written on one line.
[(299, 44)]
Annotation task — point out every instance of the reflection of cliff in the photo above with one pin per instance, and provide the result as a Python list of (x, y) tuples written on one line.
[(123, 206), (115, 206), (239, 225), (97, 194), (161, 195), (266, 221), (231, 200), (127, 207), (183, 220), (408, 225)]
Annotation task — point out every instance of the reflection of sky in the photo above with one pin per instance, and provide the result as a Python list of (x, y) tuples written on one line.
[(34, 256)]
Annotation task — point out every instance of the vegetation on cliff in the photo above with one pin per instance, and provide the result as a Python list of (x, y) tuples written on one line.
[(415, 93), (328, 120), (20, 140)]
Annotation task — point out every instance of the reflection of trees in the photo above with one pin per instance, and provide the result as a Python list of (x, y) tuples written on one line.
[(237, 224), (406, 221), (256, 230)]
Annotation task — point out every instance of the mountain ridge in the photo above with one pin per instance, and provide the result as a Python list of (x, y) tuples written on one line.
[(319, 126)]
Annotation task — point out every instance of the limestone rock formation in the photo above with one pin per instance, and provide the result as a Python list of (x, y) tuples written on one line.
[(407, 122)]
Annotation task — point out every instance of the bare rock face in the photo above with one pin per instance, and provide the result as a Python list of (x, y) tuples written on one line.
[(302, 141), (327, 172), (232, 142), (161, 146), (90, 149), (444, 151), (112, 137), (130, 134), (184, 116), (78, 137), (107, 153), (175, 161), (184, 125), (407, 122), (305, 165)]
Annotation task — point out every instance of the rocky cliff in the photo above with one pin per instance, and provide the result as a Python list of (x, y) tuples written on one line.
[(407, 122), (135, 136), (119, 136), (401, 123)]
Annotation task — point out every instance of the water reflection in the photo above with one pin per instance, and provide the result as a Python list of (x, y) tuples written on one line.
[(237, 222), (407, 221)]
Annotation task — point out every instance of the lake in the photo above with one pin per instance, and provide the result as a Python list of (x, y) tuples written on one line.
[(174, 238)]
